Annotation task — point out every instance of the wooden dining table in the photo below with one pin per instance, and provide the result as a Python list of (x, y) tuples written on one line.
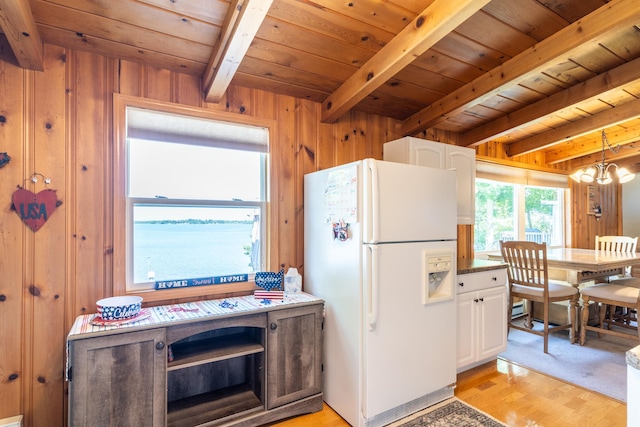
[(580, 267), (577, 266)]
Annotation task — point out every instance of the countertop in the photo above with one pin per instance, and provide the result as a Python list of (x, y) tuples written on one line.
[(466, 266), (153, 317)]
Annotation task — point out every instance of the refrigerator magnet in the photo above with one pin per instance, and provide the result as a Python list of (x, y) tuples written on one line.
[(340, 231)]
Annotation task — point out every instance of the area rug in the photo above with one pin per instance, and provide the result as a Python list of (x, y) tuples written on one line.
[(450, 413), (599, 365)]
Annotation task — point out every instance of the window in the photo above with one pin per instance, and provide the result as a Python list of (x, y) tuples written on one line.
[(194, 201), (518, 211)]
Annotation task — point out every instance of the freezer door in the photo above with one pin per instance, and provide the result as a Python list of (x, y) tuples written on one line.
[(409, 347), (402, 202)]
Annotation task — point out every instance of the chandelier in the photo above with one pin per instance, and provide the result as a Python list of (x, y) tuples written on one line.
[(600, 171)]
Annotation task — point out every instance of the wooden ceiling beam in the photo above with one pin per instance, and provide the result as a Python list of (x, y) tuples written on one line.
[(19, 26), (430, 26), (573, 130), (593, 146), (571, 40), (589, 90), (240, 27), (626, 140)]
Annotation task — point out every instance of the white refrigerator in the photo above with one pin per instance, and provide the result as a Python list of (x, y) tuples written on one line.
[(380, 249)]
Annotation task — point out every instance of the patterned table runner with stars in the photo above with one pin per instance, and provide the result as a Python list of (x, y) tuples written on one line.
[(160, 315)]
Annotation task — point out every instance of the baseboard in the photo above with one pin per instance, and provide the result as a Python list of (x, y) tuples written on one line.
[(517, 310)]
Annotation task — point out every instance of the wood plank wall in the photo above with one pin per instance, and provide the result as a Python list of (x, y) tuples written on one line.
[(587, 226), (58, 123)]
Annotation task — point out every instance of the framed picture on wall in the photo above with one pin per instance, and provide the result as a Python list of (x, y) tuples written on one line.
[(593, 207)]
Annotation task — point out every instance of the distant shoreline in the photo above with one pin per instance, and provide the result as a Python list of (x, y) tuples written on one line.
[(193, 221)]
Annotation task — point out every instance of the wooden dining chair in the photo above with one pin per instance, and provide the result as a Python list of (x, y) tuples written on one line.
[(529, 279), (609, 294), (616, 243), (623, 244)]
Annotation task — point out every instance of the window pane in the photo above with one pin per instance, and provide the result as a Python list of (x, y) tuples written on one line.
[(543, 215), (175, 242), (182, 171), (495, 215), (517, 212)]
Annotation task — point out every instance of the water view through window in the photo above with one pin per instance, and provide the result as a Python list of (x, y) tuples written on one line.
[(169, 250), (196, 211), (190, 242)]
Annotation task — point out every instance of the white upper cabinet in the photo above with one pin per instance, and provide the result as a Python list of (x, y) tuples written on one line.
[(433, 154), (463, 160)]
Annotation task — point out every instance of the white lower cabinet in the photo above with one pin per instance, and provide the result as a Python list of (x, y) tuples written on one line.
[(481, 317)]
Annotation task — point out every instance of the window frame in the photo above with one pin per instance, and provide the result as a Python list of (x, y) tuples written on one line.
[(122, 222), (520, 178)]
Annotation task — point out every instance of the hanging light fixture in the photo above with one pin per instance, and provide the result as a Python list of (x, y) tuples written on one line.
[(600, 171)]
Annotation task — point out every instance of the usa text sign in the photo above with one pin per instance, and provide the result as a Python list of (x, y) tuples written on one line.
[(34, 209)]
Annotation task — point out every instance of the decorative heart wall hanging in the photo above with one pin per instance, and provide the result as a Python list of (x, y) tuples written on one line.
[(4, 159), (35, 209)]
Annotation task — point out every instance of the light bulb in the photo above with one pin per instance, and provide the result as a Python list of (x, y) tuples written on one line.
[(576, 175), (624, 175), (588, 175)]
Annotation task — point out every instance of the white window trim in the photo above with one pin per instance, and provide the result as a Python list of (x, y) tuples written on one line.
[(518, 175)]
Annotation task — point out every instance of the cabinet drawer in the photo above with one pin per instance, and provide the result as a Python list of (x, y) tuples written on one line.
[(481, 280)]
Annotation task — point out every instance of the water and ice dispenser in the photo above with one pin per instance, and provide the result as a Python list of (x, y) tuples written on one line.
[(438, 277)]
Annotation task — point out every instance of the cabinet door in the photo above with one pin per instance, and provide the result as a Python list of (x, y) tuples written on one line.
[(294, 354), (118, 380), (463, 160), (415, 151), (492, 322), (428, 153), (466, 329)]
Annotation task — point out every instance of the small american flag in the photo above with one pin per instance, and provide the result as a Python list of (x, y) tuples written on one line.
[(268, 294)]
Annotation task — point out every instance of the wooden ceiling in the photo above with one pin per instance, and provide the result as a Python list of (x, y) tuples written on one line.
[(534, 75)]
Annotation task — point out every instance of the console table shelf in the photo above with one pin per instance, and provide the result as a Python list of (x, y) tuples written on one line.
[(196, 353), (214, 405)]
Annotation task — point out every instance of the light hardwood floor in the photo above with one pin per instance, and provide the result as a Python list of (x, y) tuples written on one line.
[(516, 396)]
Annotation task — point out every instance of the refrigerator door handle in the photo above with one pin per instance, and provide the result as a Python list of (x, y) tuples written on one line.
[(371, 274), (371, 201)]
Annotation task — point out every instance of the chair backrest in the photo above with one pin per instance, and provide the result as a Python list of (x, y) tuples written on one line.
[(616, 243), (527, 263)]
